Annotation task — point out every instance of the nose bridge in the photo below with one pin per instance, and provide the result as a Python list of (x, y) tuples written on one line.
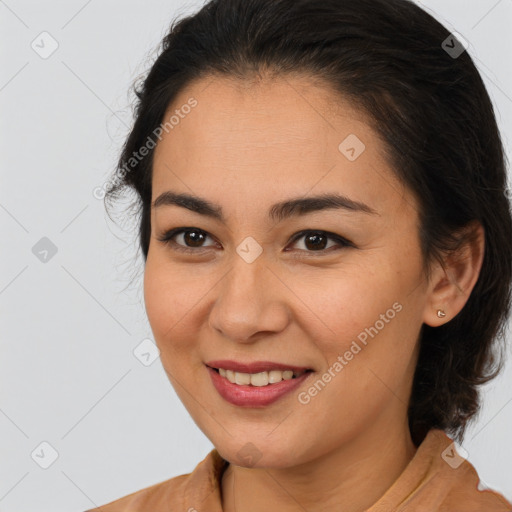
[(247, 302)]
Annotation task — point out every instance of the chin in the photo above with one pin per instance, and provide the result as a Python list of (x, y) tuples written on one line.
[(257, 454)]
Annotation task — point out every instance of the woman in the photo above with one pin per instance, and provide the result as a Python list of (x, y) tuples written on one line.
[(328, 243)]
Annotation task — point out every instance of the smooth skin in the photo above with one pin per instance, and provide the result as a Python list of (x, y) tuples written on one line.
[(245, 147)]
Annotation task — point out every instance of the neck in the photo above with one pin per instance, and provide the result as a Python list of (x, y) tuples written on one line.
[(350, 478)]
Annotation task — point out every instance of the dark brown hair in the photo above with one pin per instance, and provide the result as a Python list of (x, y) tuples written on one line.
[(433, 113)]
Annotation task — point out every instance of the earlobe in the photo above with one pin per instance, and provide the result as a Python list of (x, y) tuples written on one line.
[(453, 282)]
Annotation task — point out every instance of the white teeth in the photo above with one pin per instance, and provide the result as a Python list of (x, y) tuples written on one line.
[(258, 379), (230, 375), (275, 376), (242, 378)]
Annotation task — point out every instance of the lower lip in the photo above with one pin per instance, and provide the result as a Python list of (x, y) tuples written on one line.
[(253, 396)]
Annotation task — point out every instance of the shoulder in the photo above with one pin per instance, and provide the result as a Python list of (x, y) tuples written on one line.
[(466, 489), (440, 478), (199, 487)]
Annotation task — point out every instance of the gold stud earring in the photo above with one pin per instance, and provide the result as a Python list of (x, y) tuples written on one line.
[(441, 313)]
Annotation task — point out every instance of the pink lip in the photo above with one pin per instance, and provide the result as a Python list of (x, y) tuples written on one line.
[(253, 396), (254, 367)]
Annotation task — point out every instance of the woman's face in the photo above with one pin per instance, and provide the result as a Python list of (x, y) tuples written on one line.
[(251, 288)]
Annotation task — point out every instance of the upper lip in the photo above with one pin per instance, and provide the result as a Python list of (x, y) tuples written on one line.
[(253, 367)]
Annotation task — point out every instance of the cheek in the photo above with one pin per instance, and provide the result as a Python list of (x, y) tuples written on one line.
[(158, 298), (176, 301), (169, 298), (364, 317), (342, 302), (368, 365)]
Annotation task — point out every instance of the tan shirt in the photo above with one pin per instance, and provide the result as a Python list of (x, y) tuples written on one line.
[(437, 479)]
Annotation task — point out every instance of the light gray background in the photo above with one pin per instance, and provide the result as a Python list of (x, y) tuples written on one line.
[(69, 326)]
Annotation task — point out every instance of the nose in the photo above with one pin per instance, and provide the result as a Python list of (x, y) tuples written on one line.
[(250, 302)]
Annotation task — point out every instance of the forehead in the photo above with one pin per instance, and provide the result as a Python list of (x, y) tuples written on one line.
[(288, 133), (255, 111)]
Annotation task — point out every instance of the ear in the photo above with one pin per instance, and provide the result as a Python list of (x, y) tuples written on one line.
[(451, 283)]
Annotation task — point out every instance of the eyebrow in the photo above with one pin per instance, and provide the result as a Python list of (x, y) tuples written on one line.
[(277, 213)]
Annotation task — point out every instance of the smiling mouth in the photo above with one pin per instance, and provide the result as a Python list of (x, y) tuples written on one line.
[(260, 379)]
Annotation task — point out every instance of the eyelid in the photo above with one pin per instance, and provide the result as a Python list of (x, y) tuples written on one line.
[(342, 241), (167, 238)]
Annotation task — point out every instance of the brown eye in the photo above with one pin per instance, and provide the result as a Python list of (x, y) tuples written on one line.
[(317, 241), (185, 239), (193, 238)]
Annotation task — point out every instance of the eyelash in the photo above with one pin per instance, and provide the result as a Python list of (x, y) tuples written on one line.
[(167, 238)]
